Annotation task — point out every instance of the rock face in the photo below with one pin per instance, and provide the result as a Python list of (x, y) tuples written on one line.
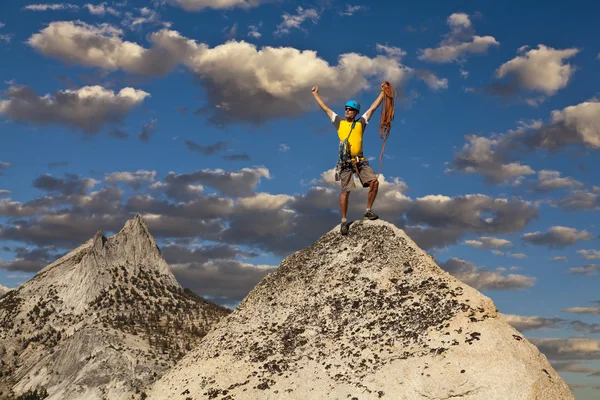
[(101, 322), (364, 316)]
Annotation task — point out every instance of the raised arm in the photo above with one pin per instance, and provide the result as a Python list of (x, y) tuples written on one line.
[(315, 92), (375, 104)]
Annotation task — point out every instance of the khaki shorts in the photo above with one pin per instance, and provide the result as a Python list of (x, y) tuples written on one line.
[(366, 175)]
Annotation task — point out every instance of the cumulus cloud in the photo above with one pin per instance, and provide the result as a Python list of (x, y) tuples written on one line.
[(580, 200), (583, 310), (460, 42), (472, 213), (569, 366), (101, 9), (589, 269), (590, 254), (573, 125), (432, 80), (51, 7), (213, 271), (14, 209), (200, 5), (134, 179), (483, 279), (71, 184), (524, 323), (485, 156), (228, 207), (30, 260), (556, 237), (486, 242), (568, 349), (498, 157), (350, 10), (101, 46), (551, 180), (88, 108), (254, 31), (144, 16), (542, 69), (440, 221), (295, 21), (243, 83)]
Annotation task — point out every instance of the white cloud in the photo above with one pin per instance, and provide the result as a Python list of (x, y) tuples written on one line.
[(578, 124), (350, 10), (590, 254), (551, 180), (432, 80), (487, 242), (460, 42), (542, 69), (254, 31), (391, 51), (101, 9), (480, 156), (483, 279), (518, 255), (581, 200), (254, 84), (145, 16), (557, 237), (263, 202), (568, 349), (87, 108), (524, 323), (589, 269), (134, 179), (295, 21), (583, 310), (52, 7), (284, 147), (200, 5)]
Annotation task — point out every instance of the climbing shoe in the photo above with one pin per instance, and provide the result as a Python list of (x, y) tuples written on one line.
[(371, 215), (344, 228)]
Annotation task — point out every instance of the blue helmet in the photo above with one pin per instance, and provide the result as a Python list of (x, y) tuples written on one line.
[(354, 104)]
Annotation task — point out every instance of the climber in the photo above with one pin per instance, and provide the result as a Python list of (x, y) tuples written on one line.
[(350, 130)]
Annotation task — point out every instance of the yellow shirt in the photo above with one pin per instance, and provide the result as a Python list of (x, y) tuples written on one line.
[(356, 137)]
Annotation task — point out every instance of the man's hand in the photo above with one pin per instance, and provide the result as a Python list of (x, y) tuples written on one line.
[(315, 89)]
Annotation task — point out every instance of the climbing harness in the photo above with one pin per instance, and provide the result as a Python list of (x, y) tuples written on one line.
[(344, 154)]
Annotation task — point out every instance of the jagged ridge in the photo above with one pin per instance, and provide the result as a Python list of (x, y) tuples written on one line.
[(113, 299)]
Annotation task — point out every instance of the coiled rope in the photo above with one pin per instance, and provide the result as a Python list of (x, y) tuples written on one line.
[(387, 118)]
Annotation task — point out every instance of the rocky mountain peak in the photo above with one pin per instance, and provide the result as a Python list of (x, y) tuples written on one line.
[(76, 326), (366, 316)]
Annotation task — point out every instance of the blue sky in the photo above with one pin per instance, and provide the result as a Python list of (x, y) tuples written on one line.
[(198, 115)]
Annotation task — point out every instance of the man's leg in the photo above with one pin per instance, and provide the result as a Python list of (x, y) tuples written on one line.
[(369, 179), (373, 187), (344, 204), (346, 183)]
